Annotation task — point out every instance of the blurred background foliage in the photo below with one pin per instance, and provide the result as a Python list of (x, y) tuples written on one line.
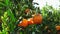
[(13, 11)]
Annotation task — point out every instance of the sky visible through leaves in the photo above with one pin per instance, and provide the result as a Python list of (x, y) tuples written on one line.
[(54, 3)]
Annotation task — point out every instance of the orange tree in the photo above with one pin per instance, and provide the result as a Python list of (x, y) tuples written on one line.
[(16, 15)]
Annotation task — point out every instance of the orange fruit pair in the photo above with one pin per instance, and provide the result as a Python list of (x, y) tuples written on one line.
[(37, 19), (25, 22)]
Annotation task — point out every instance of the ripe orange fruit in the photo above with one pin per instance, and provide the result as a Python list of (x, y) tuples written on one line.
[(37, 19), (57, 27), (30, 21), (24, 23), (27, 10)]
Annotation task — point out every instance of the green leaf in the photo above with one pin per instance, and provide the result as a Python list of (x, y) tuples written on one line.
[(11, 15), (7, 2), (0, 32), (2, 4), (21, 32)]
